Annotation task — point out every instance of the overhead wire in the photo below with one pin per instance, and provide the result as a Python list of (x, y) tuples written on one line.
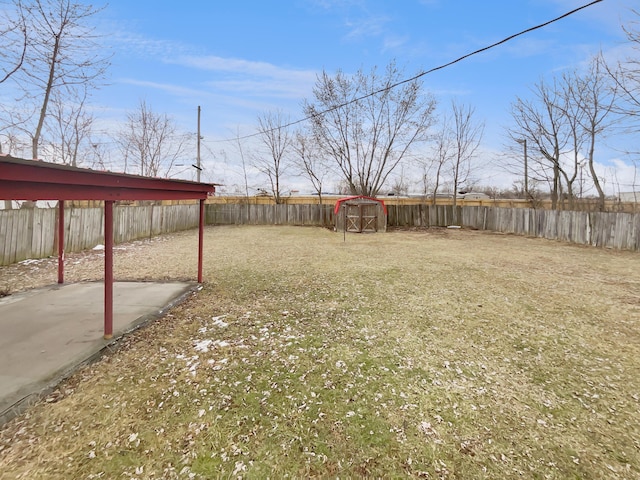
[(415, 77)]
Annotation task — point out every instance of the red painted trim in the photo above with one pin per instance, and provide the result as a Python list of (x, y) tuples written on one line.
[(26, 190), (108, 269), (200, 240), (34, 180), (61, 241), (357, 197)]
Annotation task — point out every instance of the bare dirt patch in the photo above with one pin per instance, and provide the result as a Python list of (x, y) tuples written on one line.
[(437, 354)]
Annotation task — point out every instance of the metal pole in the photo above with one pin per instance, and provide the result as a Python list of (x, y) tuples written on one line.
[(60, 241), (198, 157), (108, 269), (200, 240)]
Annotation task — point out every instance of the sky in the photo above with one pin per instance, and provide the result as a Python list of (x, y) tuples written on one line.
[(239, 59)]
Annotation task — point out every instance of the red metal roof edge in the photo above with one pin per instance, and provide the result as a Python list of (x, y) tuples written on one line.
[(44, 180), (354, 197)]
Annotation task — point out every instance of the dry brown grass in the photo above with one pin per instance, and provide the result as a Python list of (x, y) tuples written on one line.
[(433, 354)]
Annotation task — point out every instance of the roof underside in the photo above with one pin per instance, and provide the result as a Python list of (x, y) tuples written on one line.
[(35, 180)]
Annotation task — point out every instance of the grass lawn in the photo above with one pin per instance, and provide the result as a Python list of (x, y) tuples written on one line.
[(426, 354)]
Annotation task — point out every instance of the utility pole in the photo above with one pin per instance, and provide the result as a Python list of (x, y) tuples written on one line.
[(198, 168)]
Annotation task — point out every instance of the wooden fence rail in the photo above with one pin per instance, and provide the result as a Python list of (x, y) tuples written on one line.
[(31, 233)]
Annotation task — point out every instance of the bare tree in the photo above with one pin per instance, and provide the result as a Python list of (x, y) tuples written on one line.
[(442, 154), (244, 163), (99, 156), (565, 122), (150, 142), (627, 77), (13, 39), (277, 140), (542, 122), (70, 127), (594, 97), (310, 162), (456, 142), (368, 123), (62, 53), (466, 135), (13, 42), (574, 118), (400, 184), (11, 143)]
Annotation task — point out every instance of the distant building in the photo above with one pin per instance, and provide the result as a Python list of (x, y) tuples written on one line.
[(473, 196), (631, 197)]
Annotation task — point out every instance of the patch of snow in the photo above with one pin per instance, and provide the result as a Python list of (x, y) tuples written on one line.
[(207, 344), (217, 321), (32, 261), (203, 345)]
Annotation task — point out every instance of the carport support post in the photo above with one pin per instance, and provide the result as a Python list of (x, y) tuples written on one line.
[(200, 239), (60, 241), (108, 269)]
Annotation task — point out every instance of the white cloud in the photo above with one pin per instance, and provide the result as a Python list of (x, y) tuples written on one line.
[(250, 78), (145, 47), (393, 42), (172, 89), (236, 65), (369, 26), (619, 176)]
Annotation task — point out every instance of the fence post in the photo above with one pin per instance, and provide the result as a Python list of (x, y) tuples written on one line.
[(60, 241)]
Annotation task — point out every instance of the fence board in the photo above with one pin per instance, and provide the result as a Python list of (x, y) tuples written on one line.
[(19, 236), (31, 233), (5, 231)]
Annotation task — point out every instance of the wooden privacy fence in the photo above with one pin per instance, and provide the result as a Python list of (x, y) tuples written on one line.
[(252, 214), (323, 215), (31, 233), (422, 215), (599, 229)]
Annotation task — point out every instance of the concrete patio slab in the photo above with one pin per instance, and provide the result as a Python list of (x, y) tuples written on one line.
[(47, 333)]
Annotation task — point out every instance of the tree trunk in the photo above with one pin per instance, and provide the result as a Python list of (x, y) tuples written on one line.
[(47, 95), (596, 181), (554, 191)]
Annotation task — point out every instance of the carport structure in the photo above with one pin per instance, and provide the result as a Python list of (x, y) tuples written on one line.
[(22, 179)]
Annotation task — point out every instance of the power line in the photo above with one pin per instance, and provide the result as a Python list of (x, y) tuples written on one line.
[(415, 77)]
